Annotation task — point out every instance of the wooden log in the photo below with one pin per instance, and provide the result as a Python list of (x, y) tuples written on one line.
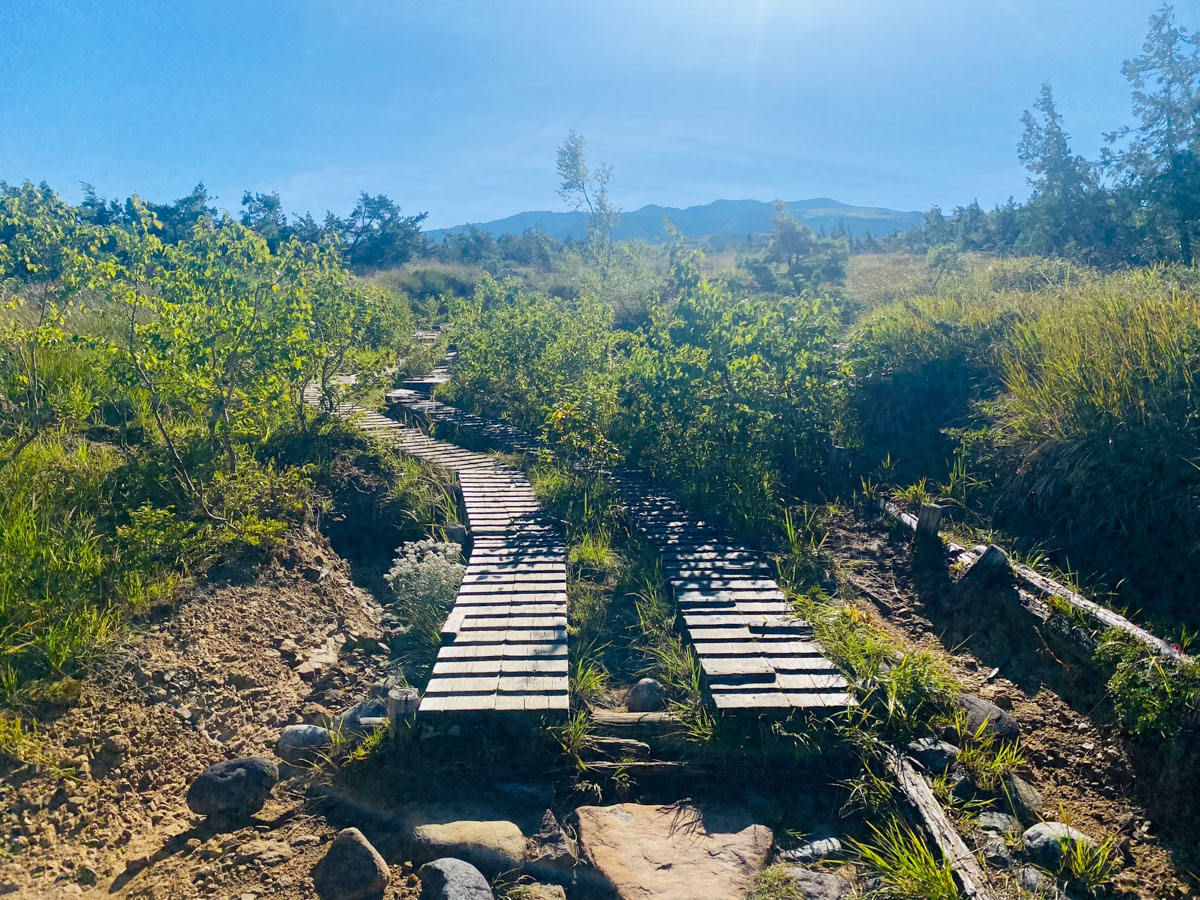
[(929, 520), (970, 874)]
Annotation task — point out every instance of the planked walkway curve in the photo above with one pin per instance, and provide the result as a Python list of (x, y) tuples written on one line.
[(755, 653), (504, 644)]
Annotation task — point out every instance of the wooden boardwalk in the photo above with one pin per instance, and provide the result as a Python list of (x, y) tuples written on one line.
[(755, 653), (505, 640)]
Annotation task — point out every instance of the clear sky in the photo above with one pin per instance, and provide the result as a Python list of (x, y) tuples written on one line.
[(455, 107)]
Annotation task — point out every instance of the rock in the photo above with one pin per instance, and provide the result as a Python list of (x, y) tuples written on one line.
[(1036, 882), (265, 853), (235, 787), (676, 852), (997, 822), (995, 850), (820, 845), (361, 719), (984, 714), (1045, 843), (453, 879), (117, 744), (936, 756), (810, 885), (492, 847), (303, 744), (85, 875), (1022, 797), (646, 696), (552, 853), (351, 869), (542, 892)]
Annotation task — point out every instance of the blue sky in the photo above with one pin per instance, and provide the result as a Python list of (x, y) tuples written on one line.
[(456, 107)]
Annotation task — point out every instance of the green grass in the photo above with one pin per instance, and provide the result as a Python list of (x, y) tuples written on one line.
[(906, 866)]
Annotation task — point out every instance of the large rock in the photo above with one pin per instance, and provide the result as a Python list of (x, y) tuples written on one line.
[(984, 714), (351, 869), (936, 756), (302, 745), (647, 696), (453, 879), (810, 885), (1046, 843), (552, 853), (235, 788), (672, 852), (492, 847)]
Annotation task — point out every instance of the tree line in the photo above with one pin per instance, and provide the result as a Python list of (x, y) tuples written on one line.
[(1138, 203)]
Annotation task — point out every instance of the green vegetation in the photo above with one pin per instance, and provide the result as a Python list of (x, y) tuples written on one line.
[(905, 865), (151, 420)]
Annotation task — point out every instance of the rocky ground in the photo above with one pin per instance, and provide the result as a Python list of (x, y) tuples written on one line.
[(216, 680), (1086, 774)]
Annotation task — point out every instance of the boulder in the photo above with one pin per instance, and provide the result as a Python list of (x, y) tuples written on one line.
[(236, 787), (1022, 797), (984, 714), (936, 756), (647, 696), (676, 852), (492, 847), (302, 745), (351, 869), (1046, 842), (552, 853), (809, 885), (453, 879)]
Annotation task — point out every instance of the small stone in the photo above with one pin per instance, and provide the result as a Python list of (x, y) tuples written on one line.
[(646, 696), (810, 885), (542, 892), (1046, 842), (86, 876), (995, 851), (351, 869), (820, 845), (936, 756), (983, 714), (303, 744), (552, 854), (266, 853), (235, 787), (361, 719), (1022, 797), (453, 879), (997, 822), (118, 744)]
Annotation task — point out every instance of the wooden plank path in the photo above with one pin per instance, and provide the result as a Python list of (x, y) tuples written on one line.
[(505, 640), (440, 374), (756, 655)]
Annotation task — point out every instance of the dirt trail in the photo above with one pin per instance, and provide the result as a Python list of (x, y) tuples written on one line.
[(232, 665), (1083, 770)]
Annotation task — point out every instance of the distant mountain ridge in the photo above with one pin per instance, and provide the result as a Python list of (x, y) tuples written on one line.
[(721, 217)]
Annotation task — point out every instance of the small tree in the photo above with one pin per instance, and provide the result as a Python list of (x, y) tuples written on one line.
[(580, 187)]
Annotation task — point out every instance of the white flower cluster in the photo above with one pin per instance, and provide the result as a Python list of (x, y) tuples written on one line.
[(426, 573)]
